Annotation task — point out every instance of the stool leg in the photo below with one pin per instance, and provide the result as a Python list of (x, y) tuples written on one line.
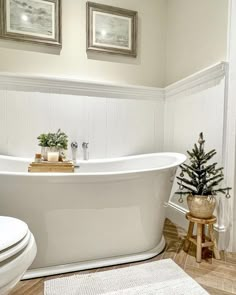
[(212, 237), (189, 235), (203, 233), (204, 250), (199, 242)]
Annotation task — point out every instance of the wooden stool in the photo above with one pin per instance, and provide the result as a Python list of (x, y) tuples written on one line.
[(201, 240)]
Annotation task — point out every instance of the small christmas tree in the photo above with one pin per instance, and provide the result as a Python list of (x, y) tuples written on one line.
[(203, 179)]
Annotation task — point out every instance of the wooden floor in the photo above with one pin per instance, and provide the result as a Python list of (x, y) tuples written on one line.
[(218, 277)]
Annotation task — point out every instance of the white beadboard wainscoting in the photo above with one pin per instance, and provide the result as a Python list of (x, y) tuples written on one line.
[(116, 120), (190, 113), (192, 105)]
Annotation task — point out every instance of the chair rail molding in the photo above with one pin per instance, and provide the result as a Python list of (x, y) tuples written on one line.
[(204, 79), (199, 81), (70, 85)]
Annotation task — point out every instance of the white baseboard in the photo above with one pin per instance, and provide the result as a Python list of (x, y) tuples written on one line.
[(176, 214)]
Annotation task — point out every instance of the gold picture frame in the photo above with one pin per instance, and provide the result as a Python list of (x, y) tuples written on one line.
[(37, 21), (111, 29)]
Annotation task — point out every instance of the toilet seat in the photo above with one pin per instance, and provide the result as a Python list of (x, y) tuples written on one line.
[(12, 269), (12, 231), (13, 250), (17, 251)]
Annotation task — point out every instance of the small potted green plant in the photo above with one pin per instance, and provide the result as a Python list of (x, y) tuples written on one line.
[(53, 142), (203, 181)]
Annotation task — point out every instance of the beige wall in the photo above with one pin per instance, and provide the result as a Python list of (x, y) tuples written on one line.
[(176, 38), (147, 69), (196, 36)]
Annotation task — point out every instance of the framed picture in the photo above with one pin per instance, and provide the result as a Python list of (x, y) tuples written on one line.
[(31, 20), (111, 29)]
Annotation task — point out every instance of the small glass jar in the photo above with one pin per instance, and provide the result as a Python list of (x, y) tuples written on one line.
[(37, 158)]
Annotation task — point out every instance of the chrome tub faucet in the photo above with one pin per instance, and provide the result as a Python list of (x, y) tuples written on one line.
[(74, 147), (85, 151)]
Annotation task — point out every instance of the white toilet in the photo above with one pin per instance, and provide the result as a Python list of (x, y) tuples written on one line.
[(17, 252)]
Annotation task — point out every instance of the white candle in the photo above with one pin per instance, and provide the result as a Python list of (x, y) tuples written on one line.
[(53, 156)]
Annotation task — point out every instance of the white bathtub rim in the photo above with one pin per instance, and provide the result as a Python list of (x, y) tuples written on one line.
[(180, 158), (85, 265)]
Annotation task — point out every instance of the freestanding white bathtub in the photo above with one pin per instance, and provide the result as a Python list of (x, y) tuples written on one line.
[(108, 212)]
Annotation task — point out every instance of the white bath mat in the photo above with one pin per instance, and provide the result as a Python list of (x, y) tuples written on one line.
[(154, 278)]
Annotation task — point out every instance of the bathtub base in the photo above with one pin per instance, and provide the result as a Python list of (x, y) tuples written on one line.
[(60, 269)]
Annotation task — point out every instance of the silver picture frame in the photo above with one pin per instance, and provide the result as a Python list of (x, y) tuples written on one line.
[(111, 29), (37, 21)]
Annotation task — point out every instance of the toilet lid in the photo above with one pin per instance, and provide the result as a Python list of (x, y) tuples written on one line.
[(12, 230)]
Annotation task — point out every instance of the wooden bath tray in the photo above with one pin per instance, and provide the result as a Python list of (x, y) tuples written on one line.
[(63, 167)]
